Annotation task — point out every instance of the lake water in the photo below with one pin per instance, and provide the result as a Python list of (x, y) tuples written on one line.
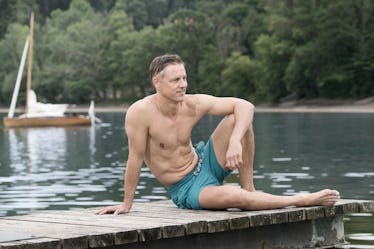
[(67, 168)]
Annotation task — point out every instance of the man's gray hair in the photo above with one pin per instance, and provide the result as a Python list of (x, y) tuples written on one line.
[(160, 62)]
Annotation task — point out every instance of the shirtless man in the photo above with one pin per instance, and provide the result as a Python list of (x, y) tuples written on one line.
[(159, 130)]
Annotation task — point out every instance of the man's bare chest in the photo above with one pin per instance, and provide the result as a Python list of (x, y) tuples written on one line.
[(171, 133)]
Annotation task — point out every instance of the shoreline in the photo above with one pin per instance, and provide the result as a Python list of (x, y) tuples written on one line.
[(313, 105), (354, 108), (369, 108)]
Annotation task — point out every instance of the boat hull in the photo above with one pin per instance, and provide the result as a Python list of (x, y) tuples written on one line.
[(47, 121)]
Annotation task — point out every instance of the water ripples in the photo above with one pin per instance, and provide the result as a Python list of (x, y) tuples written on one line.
[(67, 168)]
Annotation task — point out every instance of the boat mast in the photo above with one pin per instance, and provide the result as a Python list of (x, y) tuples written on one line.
[(18, 81), (29, 68)]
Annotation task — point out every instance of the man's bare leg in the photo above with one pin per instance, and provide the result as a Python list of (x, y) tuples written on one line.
[(221, 137), (246, 171), (226, 196), (246, 198)]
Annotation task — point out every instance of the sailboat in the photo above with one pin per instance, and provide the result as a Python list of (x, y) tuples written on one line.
[(39, 114)]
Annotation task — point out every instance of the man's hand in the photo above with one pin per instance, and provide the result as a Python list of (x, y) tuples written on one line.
[(234, 158), (118, 209)]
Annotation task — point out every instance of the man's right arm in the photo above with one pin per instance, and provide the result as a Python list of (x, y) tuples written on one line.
[(137, 133)]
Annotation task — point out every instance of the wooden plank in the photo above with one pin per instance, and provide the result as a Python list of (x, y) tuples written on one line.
[(40, 243), (153, 221), (148, 228), (239, 223), (6, 236), (68, 234), (125, 221), (366, 207), (313, 213), (296, 214), (79, 218), (216, 220), (167, 227)]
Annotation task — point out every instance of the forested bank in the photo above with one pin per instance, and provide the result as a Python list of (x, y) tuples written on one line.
[(261, 50)]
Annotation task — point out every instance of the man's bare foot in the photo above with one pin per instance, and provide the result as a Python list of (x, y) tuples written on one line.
[(326, 197)]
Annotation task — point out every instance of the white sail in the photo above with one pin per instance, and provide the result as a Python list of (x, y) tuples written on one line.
[(36, 113), (91, 114), (18, 81), (37, 109)]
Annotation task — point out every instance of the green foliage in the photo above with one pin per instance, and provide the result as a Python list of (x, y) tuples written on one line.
[(254, 49), (239, 76), (11, 48), (272, 55), (137, 51), (210, 66), (71, 52), (188, 33)]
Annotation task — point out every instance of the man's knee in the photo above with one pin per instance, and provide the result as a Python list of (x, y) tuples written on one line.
[(236, 197), (230, 120), (218, 197)]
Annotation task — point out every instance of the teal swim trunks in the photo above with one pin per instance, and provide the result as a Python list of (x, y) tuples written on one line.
[(185, 193)]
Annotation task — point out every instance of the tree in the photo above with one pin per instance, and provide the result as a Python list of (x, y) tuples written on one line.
[(101, 48), (136, 9), (272, 55), (188, 33), (70, 57), (136, 50), (157, 11), (119, 25), (210, 67), (239, 76), (11, 48)]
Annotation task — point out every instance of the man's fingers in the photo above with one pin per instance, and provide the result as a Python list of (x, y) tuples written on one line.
[(116, 210), (240, 162), (120, 210), (234, 162), (230, 164), (102, 211), (107, 210)]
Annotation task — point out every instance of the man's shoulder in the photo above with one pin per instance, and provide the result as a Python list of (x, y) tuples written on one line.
[(141, 104), (140, 110), (198, 97)]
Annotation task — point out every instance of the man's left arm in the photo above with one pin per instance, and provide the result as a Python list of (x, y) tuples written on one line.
[(243, 112)]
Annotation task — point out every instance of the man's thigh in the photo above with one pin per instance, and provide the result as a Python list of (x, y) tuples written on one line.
[(221, 137), (220, 197)]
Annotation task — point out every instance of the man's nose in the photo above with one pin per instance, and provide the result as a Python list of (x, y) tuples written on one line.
[(183, 83)]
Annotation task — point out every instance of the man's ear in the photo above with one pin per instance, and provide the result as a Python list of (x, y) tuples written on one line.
[(155, 82)]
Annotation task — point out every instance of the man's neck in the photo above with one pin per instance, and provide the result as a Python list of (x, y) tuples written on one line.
[(167, 107)]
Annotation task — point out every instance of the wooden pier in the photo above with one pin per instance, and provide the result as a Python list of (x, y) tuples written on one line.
[(161, 225)]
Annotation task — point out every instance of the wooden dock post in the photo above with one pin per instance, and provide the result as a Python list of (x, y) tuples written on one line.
[(160, 225)]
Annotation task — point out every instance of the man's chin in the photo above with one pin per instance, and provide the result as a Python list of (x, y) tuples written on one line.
[(181, 96)]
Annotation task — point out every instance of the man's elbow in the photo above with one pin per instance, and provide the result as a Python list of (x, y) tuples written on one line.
[(246, 105), (250, 106), (251, 110)]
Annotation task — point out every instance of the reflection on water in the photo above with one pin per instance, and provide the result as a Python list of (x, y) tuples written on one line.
[(65, 168), (42, 169), (359, 230), (30, 149)]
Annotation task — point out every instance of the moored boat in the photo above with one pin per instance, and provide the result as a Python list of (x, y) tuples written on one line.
[(39, 114)]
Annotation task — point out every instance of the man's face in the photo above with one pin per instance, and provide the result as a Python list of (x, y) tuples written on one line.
[(172, 82)]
